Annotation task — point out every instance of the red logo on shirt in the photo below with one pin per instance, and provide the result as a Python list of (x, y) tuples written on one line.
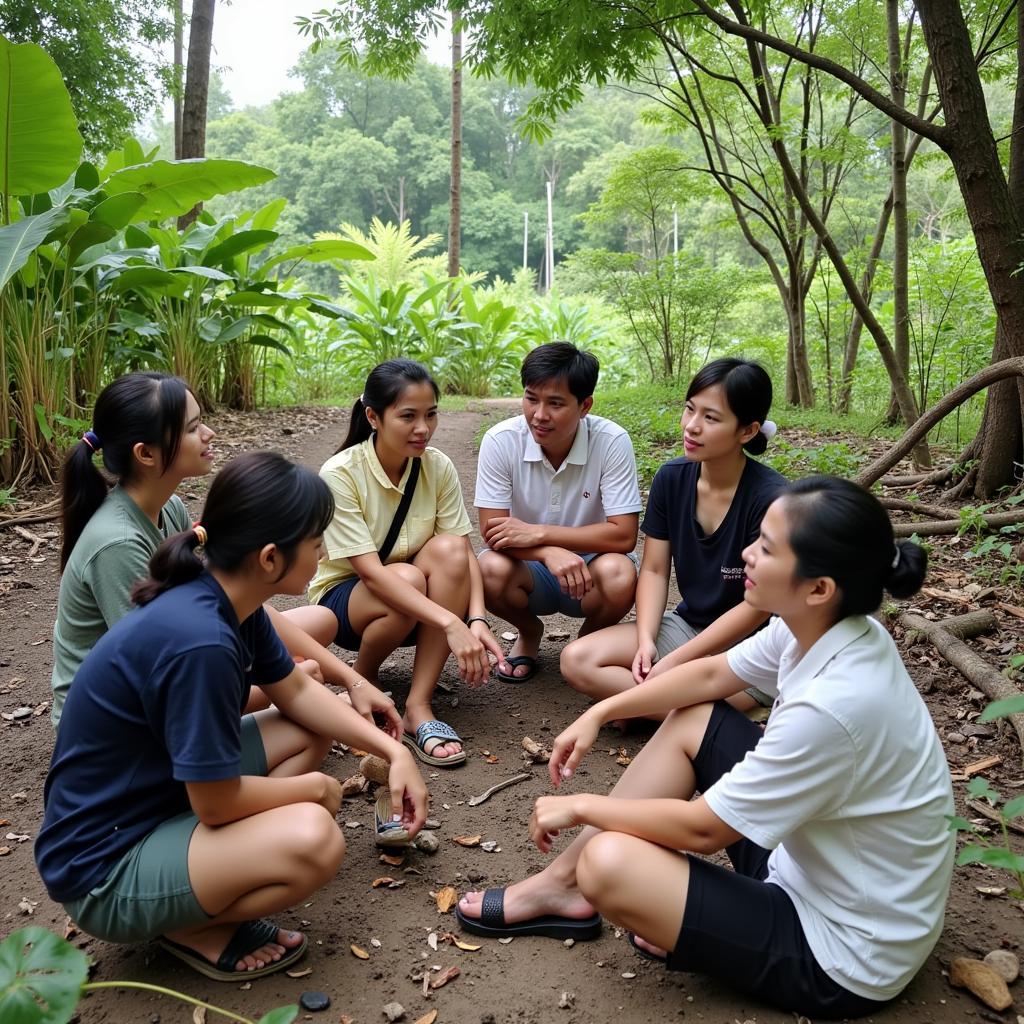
[(586, 494)]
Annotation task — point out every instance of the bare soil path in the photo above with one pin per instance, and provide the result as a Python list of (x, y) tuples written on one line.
[(527, 980)]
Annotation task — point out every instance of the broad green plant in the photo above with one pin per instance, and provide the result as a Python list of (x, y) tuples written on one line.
[(43, 977), (981, 849)]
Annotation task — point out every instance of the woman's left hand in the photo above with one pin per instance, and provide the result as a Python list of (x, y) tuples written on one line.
[(311, 668), (483, 633), (367, 699), (550, 815)]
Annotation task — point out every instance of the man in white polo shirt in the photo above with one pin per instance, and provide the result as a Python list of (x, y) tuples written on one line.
[(559, 504)]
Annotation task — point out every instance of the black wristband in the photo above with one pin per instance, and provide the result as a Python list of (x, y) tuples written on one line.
[(477, 618)]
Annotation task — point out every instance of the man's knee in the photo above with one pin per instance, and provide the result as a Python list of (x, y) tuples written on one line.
[(614, 577)]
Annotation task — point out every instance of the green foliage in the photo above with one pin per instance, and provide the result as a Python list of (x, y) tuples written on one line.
[(835, 458), (39, 141), (42, 978), (981, 849), (107, 53)]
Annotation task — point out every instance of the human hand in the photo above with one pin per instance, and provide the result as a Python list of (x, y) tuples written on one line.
[(644, 661), (550, 815), (509, 532), (483, 633), (571, 746), (470, 653), (409, 797), (570, 570), (367, 699)]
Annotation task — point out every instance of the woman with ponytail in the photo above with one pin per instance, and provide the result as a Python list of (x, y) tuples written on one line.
[(148, 428), (423, 589), (703, 510), (834, 817), (169, 815)]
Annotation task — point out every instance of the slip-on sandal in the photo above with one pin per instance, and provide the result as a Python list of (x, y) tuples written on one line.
[(532, 668), (389, 832), (248, 937), (434, 730), (491, 922)]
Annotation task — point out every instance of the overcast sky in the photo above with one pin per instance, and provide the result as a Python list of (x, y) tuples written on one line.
[(255, 43)]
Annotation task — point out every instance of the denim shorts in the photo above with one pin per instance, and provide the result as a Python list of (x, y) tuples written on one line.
[(337, 599), (740, 928), (548, 597), (148, 892)]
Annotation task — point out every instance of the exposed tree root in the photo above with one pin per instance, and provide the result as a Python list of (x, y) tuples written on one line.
[(947, 636), (933, 528), (39, 514), (901, 505)]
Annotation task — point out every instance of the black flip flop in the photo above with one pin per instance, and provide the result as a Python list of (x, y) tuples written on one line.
[(645, 953), (491, 922), (249, 936), (532, 668)]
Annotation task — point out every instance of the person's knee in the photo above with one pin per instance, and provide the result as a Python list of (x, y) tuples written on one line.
[(317, 840), (614, 577), (576, 663), (496, 570), (603, 863), (448, 551), (411, 574)]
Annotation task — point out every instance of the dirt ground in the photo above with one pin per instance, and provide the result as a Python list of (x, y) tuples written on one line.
[(527, 980)]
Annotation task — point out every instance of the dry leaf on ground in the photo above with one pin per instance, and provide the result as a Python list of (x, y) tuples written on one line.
[(396, 860), (446, 899), (304, 973), (468, 840), (199, 1015), (383, 880), (428, 1018), (361, 953)]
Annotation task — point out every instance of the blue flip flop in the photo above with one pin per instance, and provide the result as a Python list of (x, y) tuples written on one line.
[(491, 922), (434, 730)]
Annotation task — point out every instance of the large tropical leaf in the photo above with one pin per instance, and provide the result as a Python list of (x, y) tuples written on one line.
[(19, 240), (242, 241), (324, 249), (173, 187), (41, 977), (39, 142)]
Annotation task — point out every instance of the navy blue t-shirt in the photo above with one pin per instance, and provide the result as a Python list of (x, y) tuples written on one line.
[(157, 703), (709, 569)]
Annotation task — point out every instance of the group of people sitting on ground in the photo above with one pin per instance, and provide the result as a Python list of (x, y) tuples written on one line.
[(191, 730)]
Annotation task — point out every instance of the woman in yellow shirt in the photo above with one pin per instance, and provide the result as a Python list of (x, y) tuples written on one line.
[(426, 591)]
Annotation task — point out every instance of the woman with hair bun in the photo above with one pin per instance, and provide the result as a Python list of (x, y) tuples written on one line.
[(834, 817), (703, 510), (168, 814), (399, 567)]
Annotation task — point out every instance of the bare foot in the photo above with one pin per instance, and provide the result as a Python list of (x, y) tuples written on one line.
[(539, 894), (414, 718), (649, 947), (211, 942)]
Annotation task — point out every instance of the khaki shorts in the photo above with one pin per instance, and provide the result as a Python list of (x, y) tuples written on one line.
[(148, 892), (675, 631)]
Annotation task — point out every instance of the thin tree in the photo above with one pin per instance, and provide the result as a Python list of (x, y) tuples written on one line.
[(197, 88)]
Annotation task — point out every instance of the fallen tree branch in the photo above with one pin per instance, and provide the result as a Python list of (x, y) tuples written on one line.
[(943, 636), (44, 513), (933, 527), (902, 505), (997, 371)]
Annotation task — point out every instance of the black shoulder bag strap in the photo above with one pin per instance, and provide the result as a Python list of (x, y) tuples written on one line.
[(401, 512)]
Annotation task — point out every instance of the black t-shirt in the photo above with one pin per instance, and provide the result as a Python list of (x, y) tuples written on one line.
[(709, 569)]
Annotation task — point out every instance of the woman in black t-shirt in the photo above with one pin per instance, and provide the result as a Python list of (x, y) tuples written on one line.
[(703, 510)]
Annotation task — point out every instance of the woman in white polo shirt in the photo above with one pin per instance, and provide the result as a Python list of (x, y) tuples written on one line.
[(426, 590), (834, 818)]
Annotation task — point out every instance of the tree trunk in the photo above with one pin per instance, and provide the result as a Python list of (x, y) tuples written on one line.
[(179, 31), (197, 87), (796, 314), (901, 245), (455, 197), (995, 214)]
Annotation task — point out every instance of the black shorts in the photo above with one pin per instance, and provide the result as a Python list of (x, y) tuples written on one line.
[(737, 926), (337, 599)]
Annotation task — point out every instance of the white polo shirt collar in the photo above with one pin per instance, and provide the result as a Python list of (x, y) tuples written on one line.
[(532, 452), (827, 647)]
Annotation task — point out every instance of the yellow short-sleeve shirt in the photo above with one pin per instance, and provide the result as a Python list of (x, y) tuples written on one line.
[(365, 502)]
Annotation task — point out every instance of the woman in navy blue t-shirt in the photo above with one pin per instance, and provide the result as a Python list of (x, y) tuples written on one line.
[(703, 510), (168, 814)]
